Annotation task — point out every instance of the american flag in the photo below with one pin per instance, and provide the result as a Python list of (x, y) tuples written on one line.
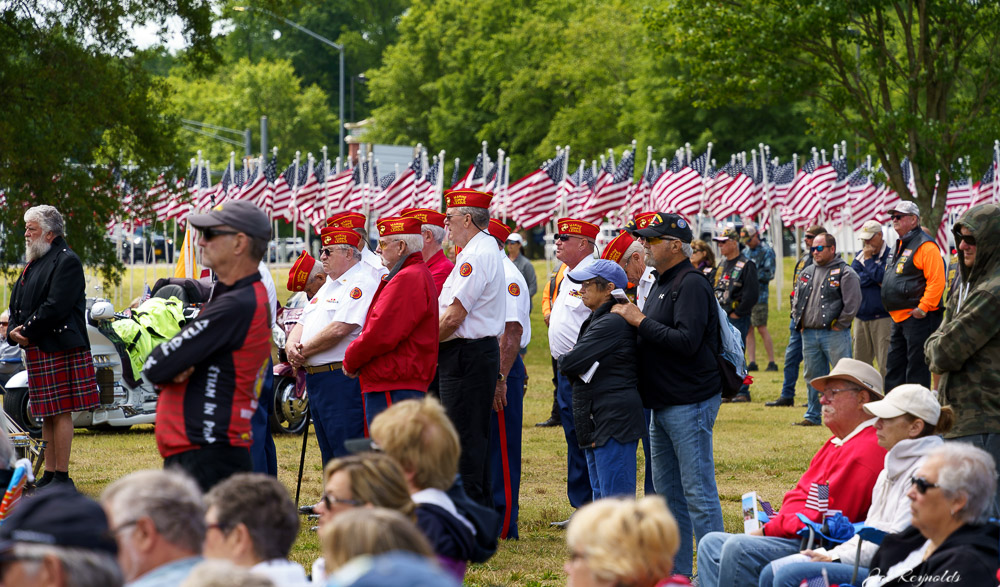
[(781, 177), (987, 190), (613, 190), (283, 194), (819, 497), (821, 580), (838, 196), (473, 178), (425, 194), (533, 197), (577, 199), (305, 197), (159, 198), (766, 506), (396, 194), (681, 192), (866, 201)]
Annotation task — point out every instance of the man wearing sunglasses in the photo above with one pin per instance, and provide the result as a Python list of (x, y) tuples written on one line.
[(210, 374), (737, 289), (911, 292), (827, 298), (965, 351)]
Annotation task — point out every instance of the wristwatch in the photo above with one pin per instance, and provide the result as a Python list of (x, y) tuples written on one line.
[(501, 377)]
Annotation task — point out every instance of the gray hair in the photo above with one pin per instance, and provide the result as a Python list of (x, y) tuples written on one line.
[(967, 470), (82, 567), (170, 498), (687, 250), (414, 242), (437, 232), (47, 217), (317, 269), (480, 216), (635, 247), (364, 236), (355, 251)]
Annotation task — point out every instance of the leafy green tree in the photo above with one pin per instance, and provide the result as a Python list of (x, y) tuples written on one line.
[(75, 107), (299, 118), (913, 79)]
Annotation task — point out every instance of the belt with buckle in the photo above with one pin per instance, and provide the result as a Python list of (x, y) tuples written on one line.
[(323, 368)]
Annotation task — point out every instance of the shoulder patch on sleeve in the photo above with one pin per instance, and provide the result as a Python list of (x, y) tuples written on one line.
[(513, 289), (465, 270), (356, 293)]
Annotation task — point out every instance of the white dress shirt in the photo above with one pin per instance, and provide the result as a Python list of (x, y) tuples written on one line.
[(568, 314), (345, 299), (518, 300), (478, 283)]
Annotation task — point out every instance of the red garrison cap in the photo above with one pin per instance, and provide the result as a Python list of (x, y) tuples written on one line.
[(575, 227), (499, 229), (617, 247), (298, 275), (333, 235), (467, 198), (347, 220), (426, 215), (398, 225)]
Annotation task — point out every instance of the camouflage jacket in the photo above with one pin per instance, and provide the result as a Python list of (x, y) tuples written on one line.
[(966, 348)]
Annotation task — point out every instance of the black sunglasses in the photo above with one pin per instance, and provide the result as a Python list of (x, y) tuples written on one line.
[(209, 233), (328, 501), (818, 248), (968, 238), (922, 484), (896, 216), (566, 237)]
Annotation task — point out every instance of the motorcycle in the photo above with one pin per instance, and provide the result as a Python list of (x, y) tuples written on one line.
[(290, 412)]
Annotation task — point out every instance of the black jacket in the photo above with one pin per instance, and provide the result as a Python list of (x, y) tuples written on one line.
[(678, 341), (49, 300), (967, 557), (609, 406)]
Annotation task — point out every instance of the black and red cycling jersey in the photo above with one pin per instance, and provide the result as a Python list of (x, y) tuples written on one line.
[(228, 345)]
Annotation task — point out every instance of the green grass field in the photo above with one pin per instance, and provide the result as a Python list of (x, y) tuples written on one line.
[(756, 448)]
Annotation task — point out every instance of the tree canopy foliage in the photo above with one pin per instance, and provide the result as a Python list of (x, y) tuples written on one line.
[(529, 75), (76, 107), (236, 96), (913, 79)]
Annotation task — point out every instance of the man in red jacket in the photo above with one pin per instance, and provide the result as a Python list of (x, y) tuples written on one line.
[(840, 476), (396, 353)]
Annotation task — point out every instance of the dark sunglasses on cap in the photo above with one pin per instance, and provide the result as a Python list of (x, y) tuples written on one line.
[(968, 238), (922, 484), (818, 248)]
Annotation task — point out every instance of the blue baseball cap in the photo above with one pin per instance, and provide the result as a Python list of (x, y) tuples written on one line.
[(600, 268)]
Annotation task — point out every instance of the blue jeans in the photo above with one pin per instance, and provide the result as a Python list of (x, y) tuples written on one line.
[(736, 560), (793, 356), (262, 452), (684, 472), (578, 487), (991, 444), (612, 469), (743, 325), (792, 575), (821, 350), (647, 484)]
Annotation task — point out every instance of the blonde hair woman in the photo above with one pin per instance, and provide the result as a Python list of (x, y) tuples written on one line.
[(622, 542)]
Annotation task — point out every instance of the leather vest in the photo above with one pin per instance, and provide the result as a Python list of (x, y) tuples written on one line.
[(904, 283), (729, 284), (830, 297)]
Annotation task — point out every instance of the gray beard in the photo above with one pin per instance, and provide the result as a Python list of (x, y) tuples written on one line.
[(36, 249)]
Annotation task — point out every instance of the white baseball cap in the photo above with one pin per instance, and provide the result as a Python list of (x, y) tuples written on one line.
[(515, 238), (915, 400), (905, 208), (869, 229)]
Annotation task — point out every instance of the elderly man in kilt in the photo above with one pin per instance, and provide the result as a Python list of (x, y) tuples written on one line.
[(47, 307)]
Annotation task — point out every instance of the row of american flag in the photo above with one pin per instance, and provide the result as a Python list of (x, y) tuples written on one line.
[(817, 191)]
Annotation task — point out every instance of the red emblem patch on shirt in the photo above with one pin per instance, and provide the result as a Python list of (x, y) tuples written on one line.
[(513, 289), (465, 270), (356, 293)]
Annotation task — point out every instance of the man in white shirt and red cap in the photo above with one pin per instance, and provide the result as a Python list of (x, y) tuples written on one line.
[(575, 244), (332, 319), (358, 223), (472, 311), (508, 402)]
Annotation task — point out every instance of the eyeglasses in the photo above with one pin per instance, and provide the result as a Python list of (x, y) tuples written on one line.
[(896, 216), (566, 237), (809, 237), (830, 394), (4, 323), (122, 526), (655, 240), (385, 244), (328, 501), (454, 215), (922, 484), (209, 233), (968, 238), (818, 248), (327, 252)]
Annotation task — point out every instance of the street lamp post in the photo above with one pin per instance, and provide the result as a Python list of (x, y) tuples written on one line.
[(321, 39)]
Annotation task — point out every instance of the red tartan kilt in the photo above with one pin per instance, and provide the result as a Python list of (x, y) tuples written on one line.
[(61, 382)]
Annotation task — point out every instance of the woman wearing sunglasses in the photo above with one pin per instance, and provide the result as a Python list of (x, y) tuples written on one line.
[(910, 420), (950, 541), (703, 258)]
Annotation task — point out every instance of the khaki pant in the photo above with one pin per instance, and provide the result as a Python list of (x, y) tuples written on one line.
[(871, 341)]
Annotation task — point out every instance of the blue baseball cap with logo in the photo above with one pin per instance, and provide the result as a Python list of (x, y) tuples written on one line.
[(600, 268)]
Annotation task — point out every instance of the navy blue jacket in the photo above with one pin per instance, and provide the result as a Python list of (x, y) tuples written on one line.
[(871, 275)]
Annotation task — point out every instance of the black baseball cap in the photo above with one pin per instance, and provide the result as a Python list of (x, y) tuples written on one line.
[(58, 515), (664, 224), (240, 214)]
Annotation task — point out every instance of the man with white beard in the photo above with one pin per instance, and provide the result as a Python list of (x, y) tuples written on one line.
[(47, 308)]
